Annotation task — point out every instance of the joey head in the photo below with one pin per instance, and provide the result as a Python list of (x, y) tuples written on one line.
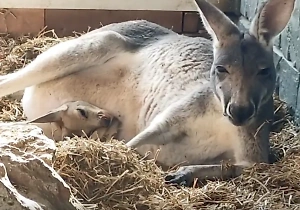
[(80, 118)]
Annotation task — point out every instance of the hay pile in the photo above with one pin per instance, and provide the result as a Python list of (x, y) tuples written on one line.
[(106, 175)]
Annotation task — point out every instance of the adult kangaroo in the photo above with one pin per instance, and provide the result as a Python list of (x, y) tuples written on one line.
[(198, 101)]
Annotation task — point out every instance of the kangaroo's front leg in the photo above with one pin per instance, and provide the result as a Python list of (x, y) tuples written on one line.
[(157, 133), (162, 130), (254, 148), (186, 175)]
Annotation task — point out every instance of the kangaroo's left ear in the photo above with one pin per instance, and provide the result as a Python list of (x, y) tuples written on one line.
[(52, 116), (218, 25), (271, 19)]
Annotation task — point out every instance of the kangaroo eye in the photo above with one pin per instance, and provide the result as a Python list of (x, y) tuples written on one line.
[(82, 112), (221, 70), (264, 72)]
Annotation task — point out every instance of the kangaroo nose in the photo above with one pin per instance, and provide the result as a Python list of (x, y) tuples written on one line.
[(239, 115)]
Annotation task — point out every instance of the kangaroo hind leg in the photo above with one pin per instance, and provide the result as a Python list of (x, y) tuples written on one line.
[(69, 57)]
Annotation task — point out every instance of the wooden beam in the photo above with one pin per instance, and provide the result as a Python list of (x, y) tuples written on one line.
[(166, 5), (65, 22), (162, 5)]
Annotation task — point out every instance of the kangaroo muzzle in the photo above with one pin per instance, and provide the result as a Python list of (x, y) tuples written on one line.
[(240, 115)]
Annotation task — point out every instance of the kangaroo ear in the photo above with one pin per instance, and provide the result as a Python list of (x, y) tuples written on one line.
[(53, 116), (272, 18), (217, 24)]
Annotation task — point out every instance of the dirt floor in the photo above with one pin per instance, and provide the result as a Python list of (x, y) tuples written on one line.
[(106, 175)]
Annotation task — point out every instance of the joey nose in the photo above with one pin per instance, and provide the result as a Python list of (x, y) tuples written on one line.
[(106, 121), (239, 115)]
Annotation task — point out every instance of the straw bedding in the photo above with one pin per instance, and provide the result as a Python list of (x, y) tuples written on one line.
[(106, 175)]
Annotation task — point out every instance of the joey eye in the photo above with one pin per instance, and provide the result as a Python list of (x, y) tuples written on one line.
[(221, 70), (264, 72), (82, 112)]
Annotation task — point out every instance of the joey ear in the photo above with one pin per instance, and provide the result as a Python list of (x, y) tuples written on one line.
[(271, 19), (217, 24), (52, 116)]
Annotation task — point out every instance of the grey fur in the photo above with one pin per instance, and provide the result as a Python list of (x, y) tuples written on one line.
[(199, 102)]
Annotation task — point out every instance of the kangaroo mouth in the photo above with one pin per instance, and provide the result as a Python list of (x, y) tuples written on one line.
[(239, 122), (91, 133)]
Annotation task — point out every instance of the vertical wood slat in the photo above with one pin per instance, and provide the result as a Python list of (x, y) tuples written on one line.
[(191, 22), (21, 21)]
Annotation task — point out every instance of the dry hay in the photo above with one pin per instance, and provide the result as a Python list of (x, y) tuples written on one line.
[(106, 175), (16, 53)]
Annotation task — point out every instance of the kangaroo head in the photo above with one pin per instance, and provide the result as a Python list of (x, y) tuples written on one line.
[(76, 116), (92, 116), (243, 74)]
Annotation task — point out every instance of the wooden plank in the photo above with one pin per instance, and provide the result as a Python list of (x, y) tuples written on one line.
[(190, 22), (64, 22), (163, 5), (21, 21), (228, 5), (166, 5)]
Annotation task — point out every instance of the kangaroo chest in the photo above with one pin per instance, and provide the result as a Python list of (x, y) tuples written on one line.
[(209, 139)]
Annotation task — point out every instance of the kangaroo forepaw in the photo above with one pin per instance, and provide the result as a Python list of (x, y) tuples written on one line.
[(196, 174), (182, 177)]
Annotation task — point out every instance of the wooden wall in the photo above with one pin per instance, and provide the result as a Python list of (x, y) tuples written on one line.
[(65, 21)]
